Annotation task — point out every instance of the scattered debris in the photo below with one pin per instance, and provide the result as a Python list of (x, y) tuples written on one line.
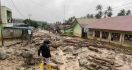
[(3, 55), (68, 53)]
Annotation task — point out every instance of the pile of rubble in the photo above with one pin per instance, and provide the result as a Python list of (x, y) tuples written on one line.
[(68, 53)]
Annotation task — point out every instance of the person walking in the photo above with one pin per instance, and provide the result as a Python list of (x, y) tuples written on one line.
[(29, 35), (45, 51)]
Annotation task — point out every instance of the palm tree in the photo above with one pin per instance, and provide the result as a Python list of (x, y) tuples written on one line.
[(122, 12), (100, 13), (99, 9), (88, 15), (98, 16), (109, 9), (91, 16), (109, 14), (105, 14), (128, 12)]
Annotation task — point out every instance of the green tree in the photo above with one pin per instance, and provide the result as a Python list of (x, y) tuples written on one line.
[(105, 14), (97, 16), (99, 7), (88, 15), (128, 12), (31, 23), (91, 16), (100, 13), (109, 9), (109, 14), (122, 12)]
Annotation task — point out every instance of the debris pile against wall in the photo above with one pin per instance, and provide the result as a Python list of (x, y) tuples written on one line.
[(68, 53)]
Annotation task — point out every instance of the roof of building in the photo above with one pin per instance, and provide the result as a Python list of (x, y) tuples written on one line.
[(120, 23), (81, 21), (17, 26), (13, 24), (84, 22), (20, 28)]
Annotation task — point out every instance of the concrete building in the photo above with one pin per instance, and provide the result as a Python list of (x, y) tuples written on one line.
[(6, 14), (116, 30), (77, 28)]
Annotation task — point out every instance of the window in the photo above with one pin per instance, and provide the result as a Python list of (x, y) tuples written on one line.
[(105, 35), (128, 39), (115, 36), (9, 17), (97, 34), (90, 32)]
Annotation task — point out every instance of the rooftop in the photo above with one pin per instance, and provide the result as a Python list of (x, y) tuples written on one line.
[(85, 22), (120, 23)]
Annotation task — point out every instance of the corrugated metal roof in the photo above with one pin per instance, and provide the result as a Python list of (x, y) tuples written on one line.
[(13, 24), (120, 23), (29, 28)]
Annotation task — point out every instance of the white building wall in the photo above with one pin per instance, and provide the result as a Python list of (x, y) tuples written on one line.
[(4, 14)]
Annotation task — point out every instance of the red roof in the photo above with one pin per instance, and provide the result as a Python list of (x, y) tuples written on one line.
[(120, 23)]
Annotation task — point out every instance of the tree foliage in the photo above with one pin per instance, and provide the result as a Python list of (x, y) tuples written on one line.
[(70, 20), (90, 16), (99, 7), (31, 23), (98, 16), (109, 9), (128, 12), (122, 12), (109, 14), (100, 13), (105, 13)]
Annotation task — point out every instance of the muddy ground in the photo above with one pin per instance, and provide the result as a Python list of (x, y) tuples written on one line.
[(68, 53)]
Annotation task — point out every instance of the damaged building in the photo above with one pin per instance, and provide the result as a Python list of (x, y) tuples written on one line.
[(117, 30), (77, 27), (6, 14)]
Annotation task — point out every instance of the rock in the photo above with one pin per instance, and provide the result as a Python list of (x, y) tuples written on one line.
[(33, 68), (72, 64), (26, 54), (56, 44), (3, 55), (75, 54), (52, 49), (58, 60), (18, 68), (18, 53), (28, 58), (68, 49), (83, 61), (93, 49)]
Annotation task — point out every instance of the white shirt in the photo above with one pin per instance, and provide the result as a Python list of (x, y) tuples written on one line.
[(29, 32)]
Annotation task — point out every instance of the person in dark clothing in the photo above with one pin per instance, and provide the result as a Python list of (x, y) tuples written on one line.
[(45, 51)]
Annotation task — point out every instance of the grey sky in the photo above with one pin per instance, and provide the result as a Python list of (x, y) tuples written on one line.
[(53, 10)]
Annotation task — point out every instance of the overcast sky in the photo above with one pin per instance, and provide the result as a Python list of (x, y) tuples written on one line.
[(54, 10)]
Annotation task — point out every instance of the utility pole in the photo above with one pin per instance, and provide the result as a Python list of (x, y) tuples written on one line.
[(2, 39)]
